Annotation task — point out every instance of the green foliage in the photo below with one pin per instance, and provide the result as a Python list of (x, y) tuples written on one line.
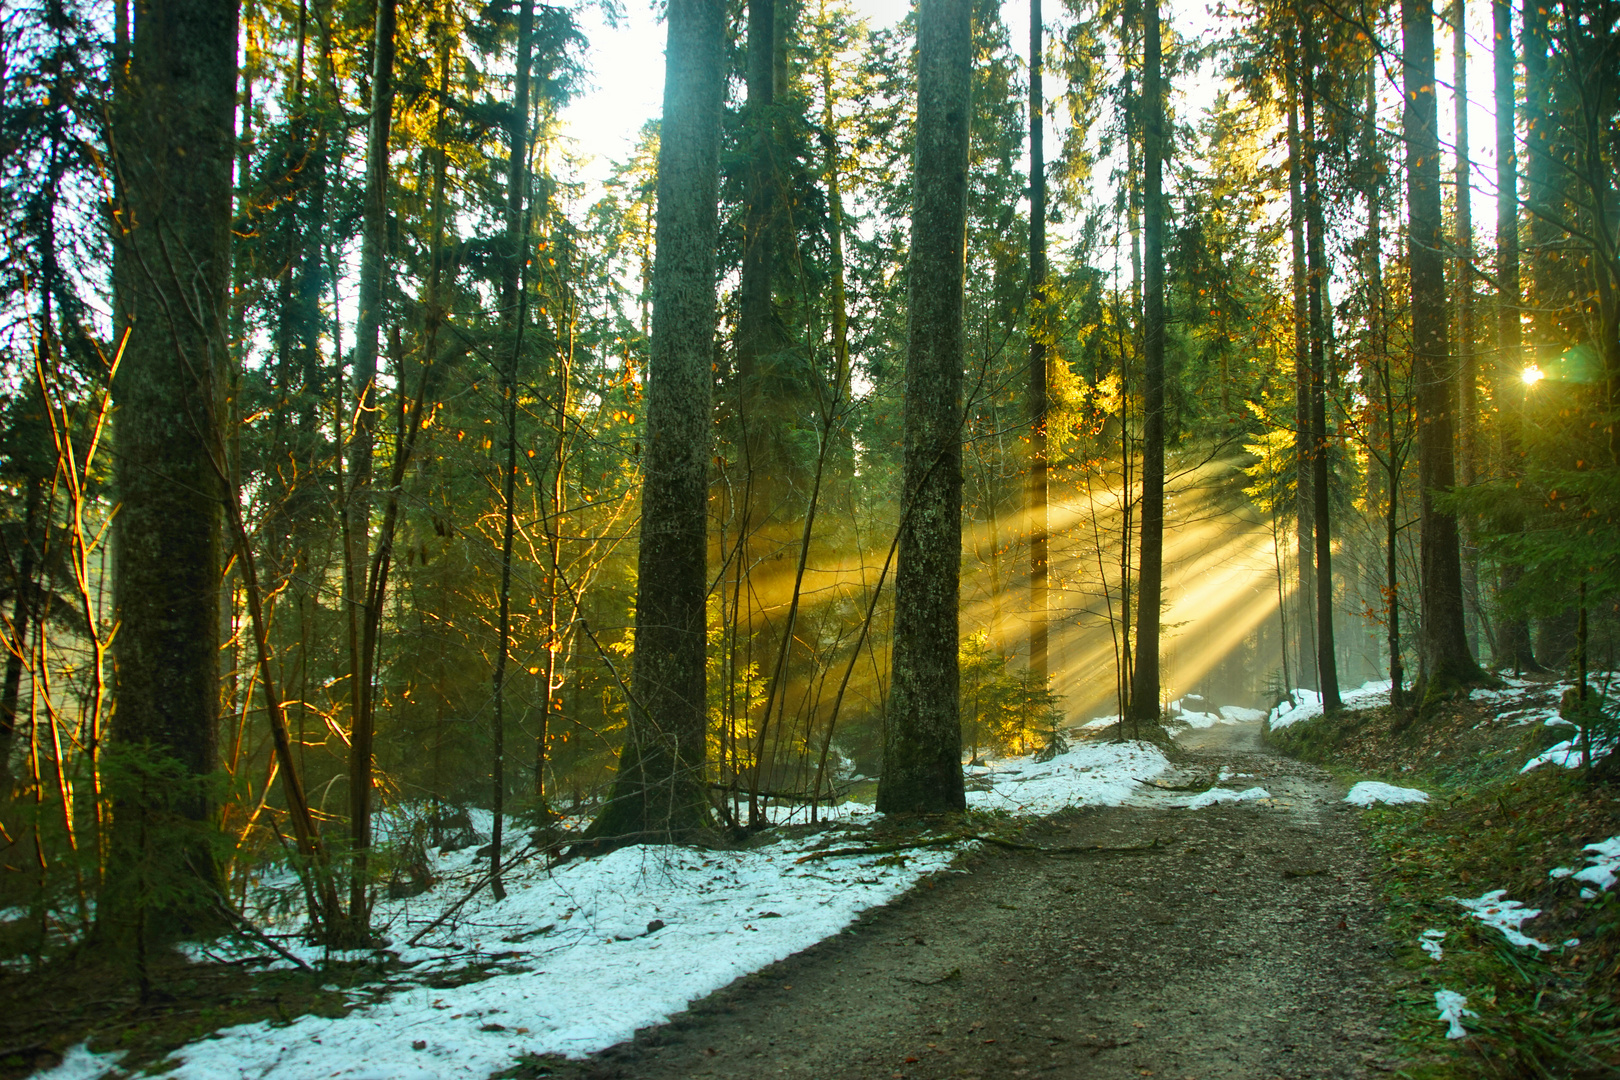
[(163, 868), (1004, 709)]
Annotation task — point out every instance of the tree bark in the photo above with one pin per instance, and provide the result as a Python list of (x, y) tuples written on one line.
[(922, 745), (1447, 662), (174, 139), (1039, 335), (1512, 629), (659, 793), (1304, 512), (1145, 675), (1385, 429), (1467, 364), (373, 269), (1327, 665), (515, 316), (754, 316)]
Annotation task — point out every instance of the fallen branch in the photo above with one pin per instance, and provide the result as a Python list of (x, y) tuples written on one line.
[(1156, 844), (884, 849), (1013, 845), (478, 887), (1203, 786), (252, 933), (828, 797)]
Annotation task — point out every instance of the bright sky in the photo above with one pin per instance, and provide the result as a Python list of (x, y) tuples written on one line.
[(627, 77)]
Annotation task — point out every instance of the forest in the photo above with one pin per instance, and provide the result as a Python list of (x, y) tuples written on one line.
[(911, 395)]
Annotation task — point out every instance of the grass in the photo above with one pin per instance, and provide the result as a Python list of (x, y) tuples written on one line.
[(1486, 826)]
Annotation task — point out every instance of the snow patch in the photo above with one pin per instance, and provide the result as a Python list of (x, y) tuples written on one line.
[(581, 955), (1087, 774), (1224, 795), (1603, 869), (1307, 704), (80, 1064), (1506, 915), (1429, 941), (1571, 754), (1453, 1007), (1368, 792), (1202, 719), (584, 955), (1225, 714)]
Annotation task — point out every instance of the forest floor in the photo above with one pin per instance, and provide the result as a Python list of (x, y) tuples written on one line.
[(1248, 943), (1111, 912)]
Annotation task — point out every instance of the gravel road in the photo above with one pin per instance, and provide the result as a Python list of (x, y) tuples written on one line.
[(1248, 946)]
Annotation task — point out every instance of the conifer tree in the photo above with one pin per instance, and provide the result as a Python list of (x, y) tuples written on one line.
[(1447, 662), (659, 793), (922, 765), (173, 145), (1145, 676)]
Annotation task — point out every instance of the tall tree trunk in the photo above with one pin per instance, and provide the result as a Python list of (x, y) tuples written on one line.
[(373, 270), (1391, 461), (754, 315), (515, 316), (1327, 665), (922, 744), (1539, 192), (1127, 452), (1145, 676), (659, 793), (835, 223), (1467, 364), (174, 142), (1447, 662), (757, 335), (1304, 512), (1039, 335), (1512, 629)]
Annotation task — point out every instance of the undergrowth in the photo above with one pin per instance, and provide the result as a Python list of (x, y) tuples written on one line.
[(1486, 826)]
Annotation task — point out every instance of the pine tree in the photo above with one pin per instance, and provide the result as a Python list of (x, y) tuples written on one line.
[(659, 793), (1513, 644), (173, 144), (1447, 662), (1145, 676), (922, 763), (1039, 333)]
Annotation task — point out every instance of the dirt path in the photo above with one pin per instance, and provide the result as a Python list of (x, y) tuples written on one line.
[(1248, 948)]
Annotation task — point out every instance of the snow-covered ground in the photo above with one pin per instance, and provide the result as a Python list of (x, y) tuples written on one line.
[(1307, 704), (1198, 712), (1571, 753), (1522, 702), (1508, 916), (1452, 1007), (1223, 795), (1368, 792), (1089, 774), (1602, 869), (578, 957), (1599, 875), (1518, 702)]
